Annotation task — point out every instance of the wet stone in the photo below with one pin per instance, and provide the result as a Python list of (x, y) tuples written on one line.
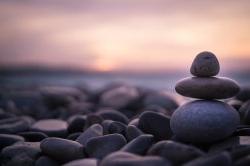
[(156, 124), (76, 123), (92, 132), (99, 147), (132, 132), (139, 145), (74, 136), (62, 150)]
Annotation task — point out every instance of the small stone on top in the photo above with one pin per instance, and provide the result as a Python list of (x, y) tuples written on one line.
[(205, 64)]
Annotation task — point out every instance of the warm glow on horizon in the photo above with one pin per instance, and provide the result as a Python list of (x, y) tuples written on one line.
[(124, 35)]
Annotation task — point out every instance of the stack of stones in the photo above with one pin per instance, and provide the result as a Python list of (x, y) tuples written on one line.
[(206, 120)]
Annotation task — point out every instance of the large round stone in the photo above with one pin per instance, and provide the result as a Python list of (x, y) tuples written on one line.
[(204, 121), (205, 64), (207, 88)]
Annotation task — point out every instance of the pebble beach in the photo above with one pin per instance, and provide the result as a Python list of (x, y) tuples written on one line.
[(204, 122)]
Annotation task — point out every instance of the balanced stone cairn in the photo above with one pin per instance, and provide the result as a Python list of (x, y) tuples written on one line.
[(206, 120)]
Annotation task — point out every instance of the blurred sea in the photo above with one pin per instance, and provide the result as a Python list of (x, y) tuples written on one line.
[(95, 81)]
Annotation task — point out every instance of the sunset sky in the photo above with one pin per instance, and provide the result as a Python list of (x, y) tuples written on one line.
[(123, 35)]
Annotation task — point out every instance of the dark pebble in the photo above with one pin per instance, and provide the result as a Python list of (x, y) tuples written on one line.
[(227, 144), (242, 132), (160, 99), (240, 152), (51, 127), (74, 136), (132, 132), (120, 97), (245, 161), (20, 153), (109, 114), (175, 152), (62, 150), (245, 113), (99, 147), (244, 93), (205, 64), (14, 127), (32, 136), (9, 139), (129, 159), (46, 161), (93, 131), (112, 127), (93, 119), (220, 159), (156, 124), (76, 123), (139, 145)]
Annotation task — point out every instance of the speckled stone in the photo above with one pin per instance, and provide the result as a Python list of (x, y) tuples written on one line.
[(207, 88), (204, 121), (205, 64)]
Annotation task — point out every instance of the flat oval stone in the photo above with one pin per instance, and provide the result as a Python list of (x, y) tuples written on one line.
[(51, 127), (204, 121), (207, 88), (205, 64), (156, 124), (62, 150), (101, 146), (129, 159)]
